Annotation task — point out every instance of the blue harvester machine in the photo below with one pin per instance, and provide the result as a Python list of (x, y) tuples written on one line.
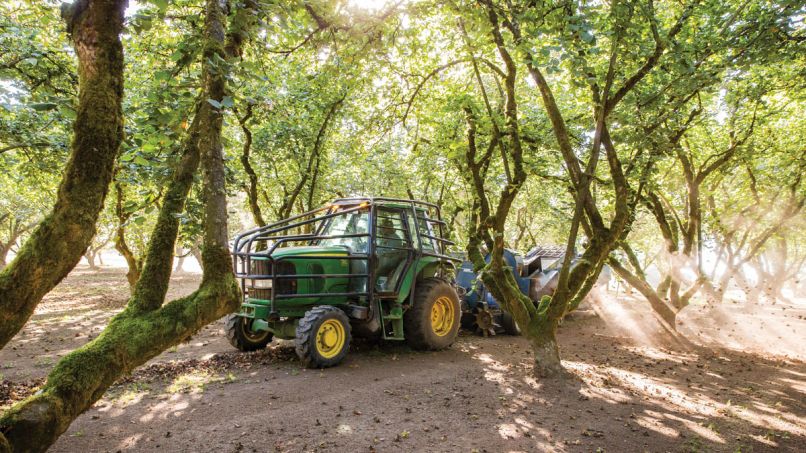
[(536, 272)]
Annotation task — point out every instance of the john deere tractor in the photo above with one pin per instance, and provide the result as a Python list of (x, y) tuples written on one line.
[(374, 267)]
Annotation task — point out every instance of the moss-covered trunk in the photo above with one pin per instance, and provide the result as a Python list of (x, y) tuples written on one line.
[(542, 334), (537, 325), (131, 339), (59, 242), (147, 327)]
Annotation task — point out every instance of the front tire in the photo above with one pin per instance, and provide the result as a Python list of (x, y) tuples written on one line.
[(433, 321), (323, 337), (243, 337)]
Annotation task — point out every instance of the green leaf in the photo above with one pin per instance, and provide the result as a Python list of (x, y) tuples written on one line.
[(140, 160), (162, 75), (214, 103), (67, 112), (161, 4), (43, 106), (141, 23), (130, 206), (227, 102)]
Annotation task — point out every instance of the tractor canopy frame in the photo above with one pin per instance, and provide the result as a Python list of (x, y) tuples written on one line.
[(258, 258)]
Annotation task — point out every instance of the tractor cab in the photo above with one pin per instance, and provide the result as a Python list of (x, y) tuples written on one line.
[(374, 266)]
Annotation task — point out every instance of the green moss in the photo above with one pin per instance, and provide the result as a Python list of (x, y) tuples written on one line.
[(146, 327), (58, 243), (132, 338)]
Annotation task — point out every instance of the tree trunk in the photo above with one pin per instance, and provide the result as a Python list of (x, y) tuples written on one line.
[(711, 292), (133, 263), (147, 327), (541, 328), (543, 338), (666, 313), (724, 282), (4, 249), (252, 188), (197, 254), (59, 242), (15, 231), (90, 256), (180, 263)]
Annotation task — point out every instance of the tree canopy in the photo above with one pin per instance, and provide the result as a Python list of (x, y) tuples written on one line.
[(650, 134)]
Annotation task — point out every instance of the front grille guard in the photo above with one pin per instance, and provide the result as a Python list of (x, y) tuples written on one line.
[(259, 244)]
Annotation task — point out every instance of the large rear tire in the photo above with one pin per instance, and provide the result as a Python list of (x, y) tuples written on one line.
[(323, 337), (433, 321), (243, 337), (509, 324)]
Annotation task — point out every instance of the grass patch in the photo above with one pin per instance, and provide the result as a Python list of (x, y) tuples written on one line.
[(133, 393), (194, 382), (44, 362), (694, 445)]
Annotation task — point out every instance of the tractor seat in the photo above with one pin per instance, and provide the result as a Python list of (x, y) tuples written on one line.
[(388, 285)]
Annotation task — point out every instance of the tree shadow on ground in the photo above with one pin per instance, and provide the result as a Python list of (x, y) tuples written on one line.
[(479, 395), (656, 400), (632, 392)]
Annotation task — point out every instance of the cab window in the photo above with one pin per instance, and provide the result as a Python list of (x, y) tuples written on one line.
[(355, 222), (392, 245)]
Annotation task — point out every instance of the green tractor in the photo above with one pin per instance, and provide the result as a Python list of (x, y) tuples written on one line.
[(371, 267)]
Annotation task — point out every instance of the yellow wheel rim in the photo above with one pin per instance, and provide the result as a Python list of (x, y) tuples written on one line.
[(442, 316), (330, 338)]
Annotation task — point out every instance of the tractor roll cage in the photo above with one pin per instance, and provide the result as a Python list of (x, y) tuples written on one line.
[(261, 243)]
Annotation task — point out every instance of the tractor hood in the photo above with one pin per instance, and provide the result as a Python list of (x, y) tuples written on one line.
[(328, 250)]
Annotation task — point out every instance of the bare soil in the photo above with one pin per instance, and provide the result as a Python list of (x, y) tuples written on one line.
[(740, 389)]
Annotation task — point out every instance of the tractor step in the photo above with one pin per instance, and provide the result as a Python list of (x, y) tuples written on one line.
[(391, 313)]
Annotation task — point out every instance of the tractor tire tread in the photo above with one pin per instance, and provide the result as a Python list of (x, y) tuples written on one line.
[(238, 340), (303, 343), (416, 320), (509, 324)]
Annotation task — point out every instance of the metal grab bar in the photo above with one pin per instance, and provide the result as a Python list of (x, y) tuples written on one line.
[(290, 276), (282, 225), (303, 296)]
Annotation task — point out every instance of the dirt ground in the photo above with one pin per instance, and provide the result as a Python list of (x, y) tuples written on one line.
[(745, 391)]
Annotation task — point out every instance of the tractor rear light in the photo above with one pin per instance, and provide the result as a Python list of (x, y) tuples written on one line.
[(261, 284)]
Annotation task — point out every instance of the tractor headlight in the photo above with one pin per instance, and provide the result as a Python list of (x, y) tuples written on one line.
[(261, 284)]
